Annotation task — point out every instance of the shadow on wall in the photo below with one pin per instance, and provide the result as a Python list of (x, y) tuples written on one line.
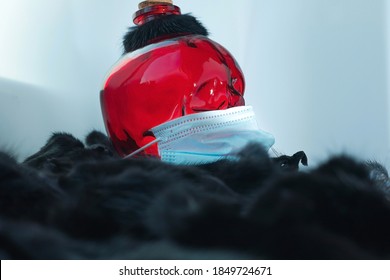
[(28, 115)]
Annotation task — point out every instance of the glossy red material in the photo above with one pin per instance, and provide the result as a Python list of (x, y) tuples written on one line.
[(169, 78)]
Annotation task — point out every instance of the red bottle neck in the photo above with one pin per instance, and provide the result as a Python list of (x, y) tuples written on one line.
[(152, 12)]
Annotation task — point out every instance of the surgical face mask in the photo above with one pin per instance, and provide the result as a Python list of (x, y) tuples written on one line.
[(208, 137)]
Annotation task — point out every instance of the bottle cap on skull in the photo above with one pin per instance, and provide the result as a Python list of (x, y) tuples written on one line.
[(145, 4), (170, 69)]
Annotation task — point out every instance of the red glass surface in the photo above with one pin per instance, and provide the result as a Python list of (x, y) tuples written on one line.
[(164, 81)]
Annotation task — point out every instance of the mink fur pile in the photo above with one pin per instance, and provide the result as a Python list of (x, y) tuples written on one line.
[(75, 200)]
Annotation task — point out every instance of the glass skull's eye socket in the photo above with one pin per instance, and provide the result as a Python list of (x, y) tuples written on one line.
[(236, 89)]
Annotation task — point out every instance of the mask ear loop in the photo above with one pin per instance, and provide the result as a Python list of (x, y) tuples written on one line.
[(275, 152), (142, 148)]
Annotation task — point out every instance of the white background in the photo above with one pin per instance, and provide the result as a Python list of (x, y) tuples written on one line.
[(316, 71)]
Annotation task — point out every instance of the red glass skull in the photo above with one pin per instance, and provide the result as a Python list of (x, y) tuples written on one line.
[(167, 79)]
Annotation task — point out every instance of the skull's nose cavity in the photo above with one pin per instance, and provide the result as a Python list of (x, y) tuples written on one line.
[(211, 95)]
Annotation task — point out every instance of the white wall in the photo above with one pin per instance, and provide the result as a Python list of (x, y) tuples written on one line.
[(316, 71)]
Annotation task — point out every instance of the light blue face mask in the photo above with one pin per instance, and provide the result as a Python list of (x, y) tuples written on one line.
[(208, 136)]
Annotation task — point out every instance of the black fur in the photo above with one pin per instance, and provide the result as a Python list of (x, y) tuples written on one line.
[(379, 174), (24, 194), (140, 36), (291, 163), (62, 151), (90, 204)]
